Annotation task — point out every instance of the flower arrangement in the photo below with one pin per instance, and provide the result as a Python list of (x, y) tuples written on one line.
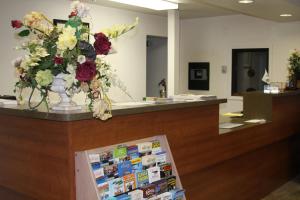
[(294, 63), (51, 51)]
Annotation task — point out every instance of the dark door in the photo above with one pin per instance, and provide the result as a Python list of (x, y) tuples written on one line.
[(248, 69)]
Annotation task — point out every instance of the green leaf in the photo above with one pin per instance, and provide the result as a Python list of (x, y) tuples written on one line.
[(74, 22), (24, 33)]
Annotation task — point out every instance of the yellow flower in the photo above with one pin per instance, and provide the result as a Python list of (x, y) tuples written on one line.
[(41, 52), (44, 78), (67, 40), (28, 62), (118, 30), (84, 36)]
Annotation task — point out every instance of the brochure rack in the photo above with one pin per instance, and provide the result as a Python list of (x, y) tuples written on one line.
[(87, 186)]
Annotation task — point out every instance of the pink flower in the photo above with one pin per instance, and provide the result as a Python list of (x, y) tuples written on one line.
[(102, 44), (58, 60), (16, 24), (86, 71)]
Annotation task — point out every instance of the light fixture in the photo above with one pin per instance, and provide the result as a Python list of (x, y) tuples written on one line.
[(246, 1), (286, 15), (153, 4)]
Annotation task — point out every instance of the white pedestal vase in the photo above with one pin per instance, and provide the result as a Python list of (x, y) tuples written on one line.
[(66, 103)]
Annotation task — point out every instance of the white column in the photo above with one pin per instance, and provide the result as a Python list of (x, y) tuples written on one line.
[(173, 52)]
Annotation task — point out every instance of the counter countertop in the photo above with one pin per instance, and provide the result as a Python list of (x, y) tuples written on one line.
[(280, 94), (239, 120), (41, 113)]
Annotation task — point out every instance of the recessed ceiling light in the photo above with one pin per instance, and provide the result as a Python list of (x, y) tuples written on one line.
[(286, 15), (153, 4), (246, 1)]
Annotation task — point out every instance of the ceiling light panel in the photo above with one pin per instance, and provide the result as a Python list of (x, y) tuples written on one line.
[(151, 4), (246, 1), (286, 15)]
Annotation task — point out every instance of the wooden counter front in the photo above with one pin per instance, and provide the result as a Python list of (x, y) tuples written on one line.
[(37, 156)]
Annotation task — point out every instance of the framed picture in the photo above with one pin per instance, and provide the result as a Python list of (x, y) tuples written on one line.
[(61, 23), (198, 76)]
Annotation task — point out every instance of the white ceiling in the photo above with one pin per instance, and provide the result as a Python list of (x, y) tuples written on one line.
[(265, 9)]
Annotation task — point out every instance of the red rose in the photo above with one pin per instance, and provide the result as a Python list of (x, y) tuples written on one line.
[(102, 44), (16, 24), (73, 14), (58, 60), (86, 71)]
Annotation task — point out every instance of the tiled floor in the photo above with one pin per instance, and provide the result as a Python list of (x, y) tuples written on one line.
[(289, 191)]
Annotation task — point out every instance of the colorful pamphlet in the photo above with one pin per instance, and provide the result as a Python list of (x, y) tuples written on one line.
[(177, 194), (165, 196), (95, 165), (116, 187), (103, 191), (149, 160), (165, 170), (120, 153), (100, 181), (142, 178), (161, 186), (106, 157), (148, 191), (136, 195), (171, 183), (154, 174), (99, 173), (111, 171), (145, 147), (156, 148), (129, 182), (94, 158), (161, 157), (124, 168), (136, 165), (133, 152)]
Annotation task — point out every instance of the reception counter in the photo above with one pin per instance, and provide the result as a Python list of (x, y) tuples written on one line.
[(37, 148)]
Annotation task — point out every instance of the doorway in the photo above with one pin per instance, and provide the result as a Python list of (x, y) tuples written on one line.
[(157, 64), (248, 69)]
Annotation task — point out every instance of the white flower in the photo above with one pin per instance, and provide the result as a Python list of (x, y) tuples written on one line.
[(81, 9), (100, 108), (74, 5), (81, 59), (70, 80), (33, 19), (71, 69)]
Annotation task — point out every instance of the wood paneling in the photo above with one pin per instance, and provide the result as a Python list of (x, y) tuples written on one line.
[(35, 158), (248, 177), (7, 194)]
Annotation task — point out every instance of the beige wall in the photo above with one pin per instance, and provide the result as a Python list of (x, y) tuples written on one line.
[(130, 61), (212, 39)]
